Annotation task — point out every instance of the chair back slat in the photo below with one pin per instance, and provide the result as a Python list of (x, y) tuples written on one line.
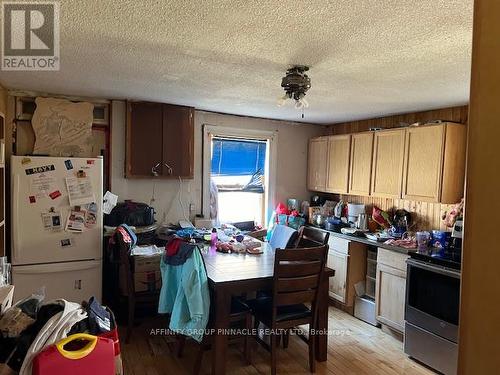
[(297, 269), (294, 298), (309, 236), (294, 284), (300, 254), (297, 275)]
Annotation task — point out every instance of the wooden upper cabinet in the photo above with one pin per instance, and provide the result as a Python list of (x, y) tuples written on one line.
[(339, 150), (434, 163), (160, 137), (317, 163), (387, 169), (144, 138), (178, 140), (423, 163), (361, 163)]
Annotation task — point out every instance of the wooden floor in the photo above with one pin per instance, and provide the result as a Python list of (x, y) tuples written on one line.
[(354, 347)]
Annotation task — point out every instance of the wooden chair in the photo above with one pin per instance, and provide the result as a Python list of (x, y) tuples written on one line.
[(125, 262), (310, 237), (297, 277), (239, 317)]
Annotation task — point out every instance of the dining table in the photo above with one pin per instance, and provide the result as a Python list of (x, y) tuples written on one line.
[(234, 274)]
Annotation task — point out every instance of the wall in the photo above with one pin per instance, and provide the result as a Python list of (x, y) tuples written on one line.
[(428, 215), (453, 114), (291, 154), (480, 306), (3, 208)]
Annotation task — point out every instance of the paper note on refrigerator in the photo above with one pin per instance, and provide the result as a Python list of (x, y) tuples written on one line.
[(110, 201), (52, 221), (80, 191), (76, 221), (42, 184)]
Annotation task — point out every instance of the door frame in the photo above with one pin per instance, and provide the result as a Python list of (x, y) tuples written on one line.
[(210, 131)]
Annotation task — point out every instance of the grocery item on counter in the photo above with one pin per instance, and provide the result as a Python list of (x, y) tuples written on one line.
[(450, 217), (407, 242), (423, 239), (381, 217)]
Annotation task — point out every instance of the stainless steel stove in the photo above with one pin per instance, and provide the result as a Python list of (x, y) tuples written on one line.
[(432, 309)]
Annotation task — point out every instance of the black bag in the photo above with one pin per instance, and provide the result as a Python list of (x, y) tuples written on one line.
[(130, 213)]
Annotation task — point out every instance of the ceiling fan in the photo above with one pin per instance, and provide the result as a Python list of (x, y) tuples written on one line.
[(296, 83)]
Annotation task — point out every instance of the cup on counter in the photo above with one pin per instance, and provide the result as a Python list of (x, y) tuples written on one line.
[(423, 239)]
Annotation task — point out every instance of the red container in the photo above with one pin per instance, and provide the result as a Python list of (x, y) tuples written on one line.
[(96, 357), (113, 335)]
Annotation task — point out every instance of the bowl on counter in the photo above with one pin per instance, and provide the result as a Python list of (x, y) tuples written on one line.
[(335, 225)]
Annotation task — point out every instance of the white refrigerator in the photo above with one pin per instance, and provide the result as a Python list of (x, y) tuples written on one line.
[(57, 227)]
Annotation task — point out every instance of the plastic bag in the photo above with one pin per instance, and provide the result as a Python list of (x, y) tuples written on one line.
[(31, 304)]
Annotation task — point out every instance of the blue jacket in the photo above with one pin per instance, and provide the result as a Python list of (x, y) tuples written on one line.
[(184, 294)]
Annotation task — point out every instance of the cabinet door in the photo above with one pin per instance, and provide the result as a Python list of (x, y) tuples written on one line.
[(316, 164), (390, 296), (387, 170), (339, 148), (144, 138), (178, 141), (337, 287), (423, 163), (361, 163)]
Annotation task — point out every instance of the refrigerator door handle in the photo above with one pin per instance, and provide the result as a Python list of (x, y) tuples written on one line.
[(57, 267), (15, 211)]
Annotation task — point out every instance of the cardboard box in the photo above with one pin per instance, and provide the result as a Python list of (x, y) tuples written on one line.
[(149, 281), (144, 263), (147, 274)]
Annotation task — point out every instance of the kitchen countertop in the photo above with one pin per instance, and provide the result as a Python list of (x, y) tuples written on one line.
[(366, 241)]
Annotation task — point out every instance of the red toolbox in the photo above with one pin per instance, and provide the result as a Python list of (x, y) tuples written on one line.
[(79, 354)]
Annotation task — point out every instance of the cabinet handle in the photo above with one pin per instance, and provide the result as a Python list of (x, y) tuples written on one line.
[(169, 168), (154, 170)]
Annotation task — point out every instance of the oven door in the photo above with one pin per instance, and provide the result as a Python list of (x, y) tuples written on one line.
[(433, 298)]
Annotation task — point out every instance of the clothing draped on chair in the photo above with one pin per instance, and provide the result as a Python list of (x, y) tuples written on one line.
[(282, 237), (185, 295)]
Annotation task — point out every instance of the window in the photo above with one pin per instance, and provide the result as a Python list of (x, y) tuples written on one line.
[(240, 165)]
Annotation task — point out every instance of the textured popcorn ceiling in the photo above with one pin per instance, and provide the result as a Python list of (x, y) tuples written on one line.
[(367, 58)]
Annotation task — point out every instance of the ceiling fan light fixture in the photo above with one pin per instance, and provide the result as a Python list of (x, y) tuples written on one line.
[(296, 83)]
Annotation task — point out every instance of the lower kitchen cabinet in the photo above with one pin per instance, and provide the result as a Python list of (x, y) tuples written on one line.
[(338, 262), (391, 289), (348, 259)]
